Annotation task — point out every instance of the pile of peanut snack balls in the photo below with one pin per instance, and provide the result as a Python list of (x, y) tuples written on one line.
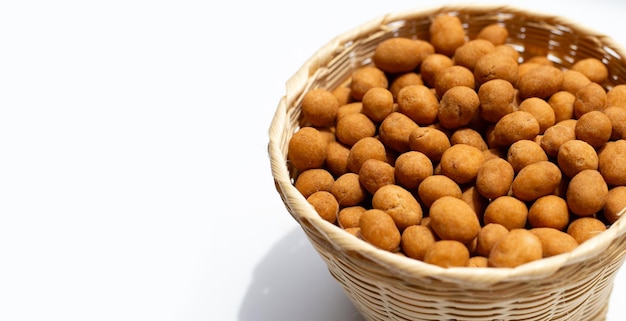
[(455, 152)]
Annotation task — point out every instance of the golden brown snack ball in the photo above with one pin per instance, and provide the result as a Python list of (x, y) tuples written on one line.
[(517, 247), (419, 103), (612, 162), (348, 190), (494, 178), (351, 128), (377, 104), (541, 81), (397, 54), (307, 149), (508, 50), (617, 115), (337, 158), (453, 219), (507, 211), (400, 204), (616, 96), (586, 193), (525, 152), (594, 128), (394, 131), (453, 76), (573, 81), (325, 205), (593, 68), (313, 180), (515, 126), (615, 203), (584, 228), (497, 99), (494, 33), (589, 98), (437, 186), (562, 102), (554, 137), (549, 211), (536, 180), (554, 241), (320, 107), (468, 136), (366, 78), (541, 110), (379, 229), (411, 168), (431, 142), (469, 52), (461, 162), (403, 80), (489, 235), (446, 34), (364, 149), (448, 253), (457, 107), (416, 241), (432, 65), (348, 217), (375, 173), (496, 65), (575, 156), (343, 95)]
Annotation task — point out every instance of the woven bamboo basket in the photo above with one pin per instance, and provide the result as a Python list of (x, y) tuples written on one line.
[(386, 286)]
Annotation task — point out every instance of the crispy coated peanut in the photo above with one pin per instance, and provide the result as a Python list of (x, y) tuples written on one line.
[(406, 79), (497, 98), (350, 108), (615, 203), (507, 211), (541, 110), (517, 247), (364, 149), (496, 65), (437, 186), (593, 68), (478, 262), (461, 162), (586, 193), (348, 217), (419, 103), (554, 137), (536, 180), (453, 219), (307, 149), (313, 180), (351, 128), (375, 174), (575, 156), (573, 81), (589, 98), (525, 152), (553, 241), (348, 190), (377, 104), (394, 131), (612, 162), (446, 34), (447, 253), (471, 51), (416, 241), (541, 81), (398, 54), (320, 107), (343, 95), (494, 178), (549, 211), (365, 78), (325, 205), (584, 228), (432, 65), (431, 142), (453, 76), (562, 102), (594, 127), (617, 115), (489, 235), (468, 136), (412, 168), (457, 107), (337, 158), (400, 204), (515, 126), (494, 33), (616, 96), (379, 229)]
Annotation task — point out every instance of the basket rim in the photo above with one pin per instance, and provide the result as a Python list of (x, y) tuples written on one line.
[(343, 241)]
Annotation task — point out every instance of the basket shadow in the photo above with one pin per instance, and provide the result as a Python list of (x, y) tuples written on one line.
[(292, 282)]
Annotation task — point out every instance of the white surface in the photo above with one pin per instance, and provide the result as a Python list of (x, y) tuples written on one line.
[(135, 181)]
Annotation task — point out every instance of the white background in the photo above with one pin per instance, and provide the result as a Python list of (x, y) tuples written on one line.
[(134, 175)]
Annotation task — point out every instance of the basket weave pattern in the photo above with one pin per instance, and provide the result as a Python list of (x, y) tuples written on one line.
[(385, 286)]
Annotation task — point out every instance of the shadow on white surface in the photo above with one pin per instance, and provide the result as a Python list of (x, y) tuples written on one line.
[(292, 282)]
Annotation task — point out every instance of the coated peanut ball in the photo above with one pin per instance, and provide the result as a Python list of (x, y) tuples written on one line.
[(594, 128), (348, 190), (307, 149), (494, 178), (507, 211), (437, 186), (489, 235), (457, 107), (515, 126), (353, 127), (593, 68), (617, 115), (431, 142), (337, 158), (349, 217), (496, 65), (584, 228), (562, 102), (469, 52), (525, 152), (615, 203), (350, 108), (461, 162), (494, 33), (366, 78), (453, 219), (616, 96), (575, 156), (536, 180), (589, 98), (541, 110), (394, 131), (313, 180), (411, 168), (586, 193), (446, 34), (574, 80), (549, 211), (416, 241), (320, 107), (612, 162), (400, 204), (497, 98), (375, 174), (377, 104), (419, 103), (379, 229), (406, 79), (447, 253), (398, 54), (433, 65), (453, 76), (541, 81), (517, 247), (470, 137), (366, 148), (553, 241), (554, 137), (343, 95), (325, 205)]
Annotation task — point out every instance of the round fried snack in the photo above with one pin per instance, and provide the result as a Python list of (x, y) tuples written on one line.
[(453, 76), (461, 162), (497, 99), (412, 168), (615, 203), (471, 51), (541, 81), (468, 136), (592, 68), (307, 149), (379, 229), (453, 219), (375, 174), (377, 104), (437, 186), (432, 65), (586, 193), (515, 126), (400, 204), (364, 149), (402, 80), (446, 34), (394, 131), (416, 241), (594, 128), (496, 65), (348, 217), (447, 253), (457, 107), (348, 190), (536, 180), (325, 205), (419, 103), (320, 107), (494, 178), (494, 33), (489, 235), (617, 115), (612, 162), (525, 152), (584, 228), (549, 211), (541, 110), (507, 211), (553, 241), (616, 96), (398, 54), (352, 127), (575, 156), (573, 81), (337, 158), (562, 102), (589, 98), (517, 247), (431, 142), (313, 180), (554, 137), (365, 78)]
